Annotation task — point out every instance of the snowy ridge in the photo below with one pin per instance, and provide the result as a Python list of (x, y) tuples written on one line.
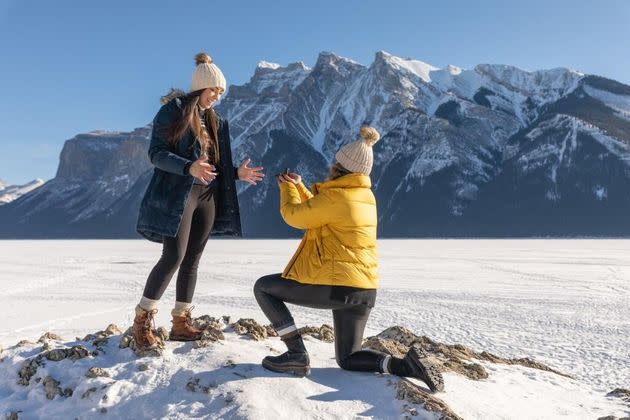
[(273, 77), (10, 193), (617, 102), (568, 142)]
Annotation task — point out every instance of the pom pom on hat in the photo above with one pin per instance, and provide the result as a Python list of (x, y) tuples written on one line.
[(202, 58), (369, 135)]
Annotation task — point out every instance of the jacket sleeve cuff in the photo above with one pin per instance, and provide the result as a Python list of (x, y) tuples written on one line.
[(236, 173), (187, 167)]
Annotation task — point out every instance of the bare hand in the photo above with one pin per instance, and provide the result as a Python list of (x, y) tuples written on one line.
[(202, 170), (251, 175), (292, 177)]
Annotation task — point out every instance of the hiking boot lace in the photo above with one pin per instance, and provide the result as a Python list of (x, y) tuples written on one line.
[(149, 321)]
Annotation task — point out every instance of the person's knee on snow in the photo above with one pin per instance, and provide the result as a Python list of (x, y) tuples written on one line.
[(342, 362)]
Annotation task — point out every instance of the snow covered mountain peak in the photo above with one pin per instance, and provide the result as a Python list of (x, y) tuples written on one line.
[(328, 61), (267, 65), (544, 85), (10, 193), (272, 78), (415, 67)]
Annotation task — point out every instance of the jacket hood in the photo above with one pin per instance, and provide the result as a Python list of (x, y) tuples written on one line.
[(355, 180), (172, 94)]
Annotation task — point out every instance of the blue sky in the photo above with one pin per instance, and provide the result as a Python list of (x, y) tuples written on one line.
[(69, 67)]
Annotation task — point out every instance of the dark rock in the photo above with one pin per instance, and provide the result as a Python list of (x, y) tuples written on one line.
[(407, 391), (212, 330), (89, 392), (51, 387), (49, 336), (97, 372), (324, 333), (250, 328)]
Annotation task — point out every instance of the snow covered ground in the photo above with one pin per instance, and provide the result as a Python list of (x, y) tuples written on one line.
[(565, 303)]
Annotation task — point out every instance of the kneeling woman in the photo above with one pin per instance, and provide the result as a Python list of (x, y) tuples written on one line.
[(335, 267)]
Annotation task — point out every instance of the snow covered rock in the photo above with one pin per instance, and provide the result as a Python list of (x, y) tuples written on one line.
[(411, 393), (226, 380), (250, 328), (97, 372)]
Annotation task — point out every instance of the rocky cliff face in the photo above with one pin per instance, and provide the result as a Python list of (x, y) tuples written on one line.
[(96, 171), (490, 151)]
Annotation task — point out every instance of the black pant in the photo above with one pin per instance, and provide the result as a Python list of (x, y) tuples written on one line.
[(184, 250), (349, 316)]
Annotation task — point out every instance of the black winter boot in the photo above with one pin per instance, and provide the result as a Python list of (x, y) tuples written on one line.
[(416, 364), (295, 361)]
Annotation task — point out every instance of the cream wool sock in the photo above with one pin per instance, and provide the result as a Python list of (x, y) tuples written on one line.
[(181, 308), (147, 304)]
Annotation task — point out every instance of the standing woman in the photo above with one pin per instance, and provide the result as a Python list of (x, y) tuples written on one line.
[(192, 194), (334, 267)]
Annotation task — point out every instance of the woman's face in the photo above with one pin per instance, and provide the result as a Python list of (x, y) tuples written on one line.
[(209, 96)]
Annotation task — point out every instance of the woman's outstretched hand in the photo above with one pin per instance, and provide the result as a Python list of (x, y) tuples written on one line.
[(202, 170), (251, 175)]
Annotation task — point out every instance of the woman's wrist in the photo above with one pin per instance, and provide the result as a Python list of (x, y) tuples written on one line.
[(187, 167)]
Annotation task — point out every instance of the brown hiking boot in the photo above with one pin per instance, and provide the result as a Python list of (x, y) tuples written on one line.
[(183, 328), (142, 332)]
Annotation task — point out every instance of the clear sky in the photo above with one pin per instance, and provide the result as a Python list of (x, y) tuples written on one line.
[(68, 67)]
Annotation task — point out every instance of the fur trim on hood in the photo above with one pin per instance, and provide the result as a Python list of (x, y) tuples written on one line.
[(172, 94)]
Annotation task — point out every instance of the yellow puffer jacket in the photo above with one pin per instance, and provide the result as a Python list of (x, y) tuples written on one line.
[(339, 246)]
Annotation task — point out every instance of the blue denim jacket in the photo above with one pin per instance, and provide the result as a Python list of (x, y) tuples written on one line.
[(165, 198)]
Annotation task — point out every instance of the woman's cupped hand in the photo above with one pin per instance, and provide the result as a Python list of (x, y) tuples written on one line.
[(291, 177)]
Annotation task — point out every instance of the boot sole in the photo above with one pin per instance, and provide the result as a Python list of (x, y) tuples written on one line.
[(428, 372), (297, 370), (177, 338)]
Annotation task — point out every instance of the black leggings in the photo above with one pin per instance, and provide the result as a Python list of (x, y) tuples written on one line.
[(184, 250), (349, 318)]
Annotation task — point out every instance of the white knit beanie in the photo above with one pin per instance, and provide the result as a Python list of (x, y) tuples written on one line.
[(206, 74), (358, 156)]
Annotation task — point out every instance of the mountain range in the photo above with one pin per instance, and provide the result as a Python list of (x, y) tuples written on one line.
[(493, 151)]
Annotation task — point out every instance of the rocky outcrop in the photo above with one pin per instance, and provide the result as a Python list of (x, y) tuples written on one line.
[(413, 394), (396, 341), (250, 328), (448, 357), (30, 366), (324, 333), (95, 172)]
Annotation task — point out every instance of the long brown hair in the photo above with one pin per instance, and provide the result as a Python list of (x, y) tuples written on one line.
[(188, 120), (337, 171)]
